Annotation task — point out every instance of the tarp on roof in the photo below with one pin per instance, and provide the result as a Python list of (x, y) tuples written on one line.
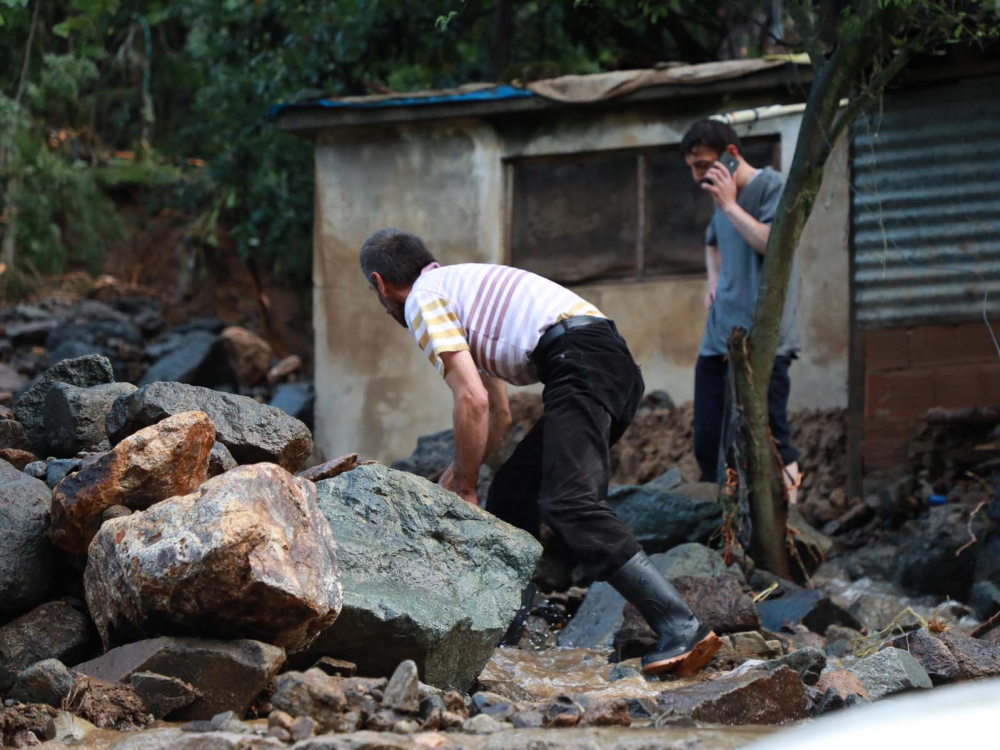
[(574, 89), (602, 86)]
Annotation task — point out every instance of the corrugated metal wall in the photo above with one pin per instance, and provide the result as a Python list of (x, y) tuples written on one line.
[(926, 206)]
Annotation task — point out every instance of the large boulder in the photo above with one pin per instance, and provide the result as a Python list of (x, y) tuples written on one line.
[(228, 675), (662, 517), (600, 615), (54, 630), (27, 559), (197, 358), (29, 409), (170, 458), (76, 418), (426, 576), (247, 555), (252, 432)]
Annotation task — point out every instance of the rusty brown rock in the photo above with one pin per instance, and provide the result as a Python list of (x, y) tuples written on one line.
[(248, 354), (976, 659), (247, 555), (753, 698), (332, 468), (17, 458), (612, 713), (842, 682), (168, 459), (933, 655)]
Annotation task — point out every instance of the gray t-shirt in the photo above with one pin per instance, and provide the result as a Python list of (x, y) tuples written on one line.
[(741, 266)]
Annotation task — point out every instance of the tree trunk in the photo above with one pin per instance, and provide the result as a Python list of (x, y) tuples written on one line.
[(752, 355)]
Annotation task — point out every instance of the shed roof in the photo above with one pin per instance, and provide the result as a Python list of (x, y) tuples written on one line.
[(481, 99)]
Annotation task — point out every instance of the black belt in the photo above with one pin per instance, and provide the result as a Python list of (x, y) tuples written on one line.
[(558, 329)]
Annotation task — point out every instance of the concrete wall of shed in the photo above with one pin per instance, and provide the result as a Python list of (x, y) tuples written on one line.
[(376, 393)]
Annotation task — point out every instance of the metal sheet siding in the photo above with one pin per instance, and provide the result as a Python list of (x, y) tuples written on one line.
[(926, 206)]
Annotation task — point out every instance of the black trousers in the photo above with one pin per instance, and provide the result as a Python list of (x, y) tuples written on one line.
[(559, 472), (709, 411)]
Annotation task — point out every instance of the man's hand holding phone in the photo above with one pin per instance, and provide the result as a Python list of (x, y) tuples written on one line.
[(721, 185)]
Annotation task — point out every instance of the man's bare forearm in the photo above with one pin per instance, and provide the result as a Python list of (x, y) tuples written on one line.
[(470, 418), (754, 232), (499, 421)]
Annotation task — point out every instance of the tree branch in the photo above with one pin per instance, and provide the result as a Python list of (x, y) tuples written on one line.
[(867, 96)]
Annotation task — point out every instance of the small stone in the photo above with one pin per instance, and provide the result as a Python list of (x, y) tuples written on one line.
[(249, 355), (451, 720), (303, 728), (17, 458), (220, 460), (12, 435), (64, 729), (281, 719), (808, 662), (841, 682), (288, 366), (403, 690), (977, 659), (563, 712), (161, 694), (493, 705), (484, 724), (456, 702), (533, 719), (613, 713), (115, 511), (890, 671), (280, 733), (336, 667), (405, 726), (48, 681), (36, 469), (349, 721), (933, 655), (985, 599), (199, 725), (25, 738), (311, 693), (333, 468), (381, 721), (429, 705)]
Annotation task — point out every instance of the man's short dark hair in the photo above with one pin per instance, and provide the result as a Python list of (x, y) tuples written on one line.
[(397, 256), (711, 133)]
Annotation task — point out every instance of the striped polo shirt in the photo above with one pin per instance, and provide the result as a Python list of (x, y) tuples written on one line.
[(496, 313)]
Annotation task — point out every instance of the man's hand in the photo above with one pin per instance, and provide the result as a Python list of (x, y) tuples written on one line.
[(447, 481), (710, 294), (722, 187)]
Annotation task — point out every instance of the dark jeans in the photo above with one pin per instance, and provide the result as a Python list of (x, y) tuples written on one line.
[(709, 411), (559, 472)]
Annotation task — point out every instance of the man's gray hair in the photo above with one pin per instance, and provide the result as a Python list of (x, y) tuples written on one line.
[(397, 256)]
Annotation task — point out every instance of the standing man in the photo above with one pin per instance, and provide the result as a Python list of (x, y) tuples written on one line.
[(483, 325), (745, 203)]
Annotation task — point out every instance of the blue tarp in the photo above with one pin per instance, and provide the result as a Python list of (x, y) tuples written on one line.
[(495, 93)]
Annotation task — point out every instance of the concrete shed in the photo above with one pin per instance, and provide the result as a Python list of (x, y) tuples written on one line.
[(579, 179)]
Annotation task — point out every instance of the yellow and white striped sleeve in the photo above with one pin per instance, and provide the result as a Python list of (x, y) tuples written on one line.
[(436, 327)]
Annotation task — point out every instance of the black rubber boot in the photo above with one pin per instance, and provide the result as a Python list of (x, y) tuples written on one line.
[(514, 631), (684, 644)]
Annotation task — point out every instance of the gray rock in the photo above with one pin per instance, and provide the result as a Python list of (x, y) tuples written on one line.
[(37, 470), (484, 724), (252, 432), (27, 559), (251, 542), (53, 630), (47, 682), (30, 407), (808, 662), (162, 695), (985, 599), (928, 562), (662, 519), (199, 358), (173, 738), (755, 697), (600, 615), (295, 399), (888, 672), (220, 460), (75, 418), (934, 656), (403, 691), (228, 675), (12, 435), (873, 561), (426, 576), (65, 729), (311, 693), (811, 608)]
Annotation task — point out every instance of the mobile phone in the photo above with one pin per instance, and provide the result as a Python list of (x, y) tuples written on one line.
[(729, 161)]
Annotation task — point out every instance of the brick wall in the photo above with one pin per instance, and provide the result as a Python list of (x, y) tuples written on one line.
[(911, 370)]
